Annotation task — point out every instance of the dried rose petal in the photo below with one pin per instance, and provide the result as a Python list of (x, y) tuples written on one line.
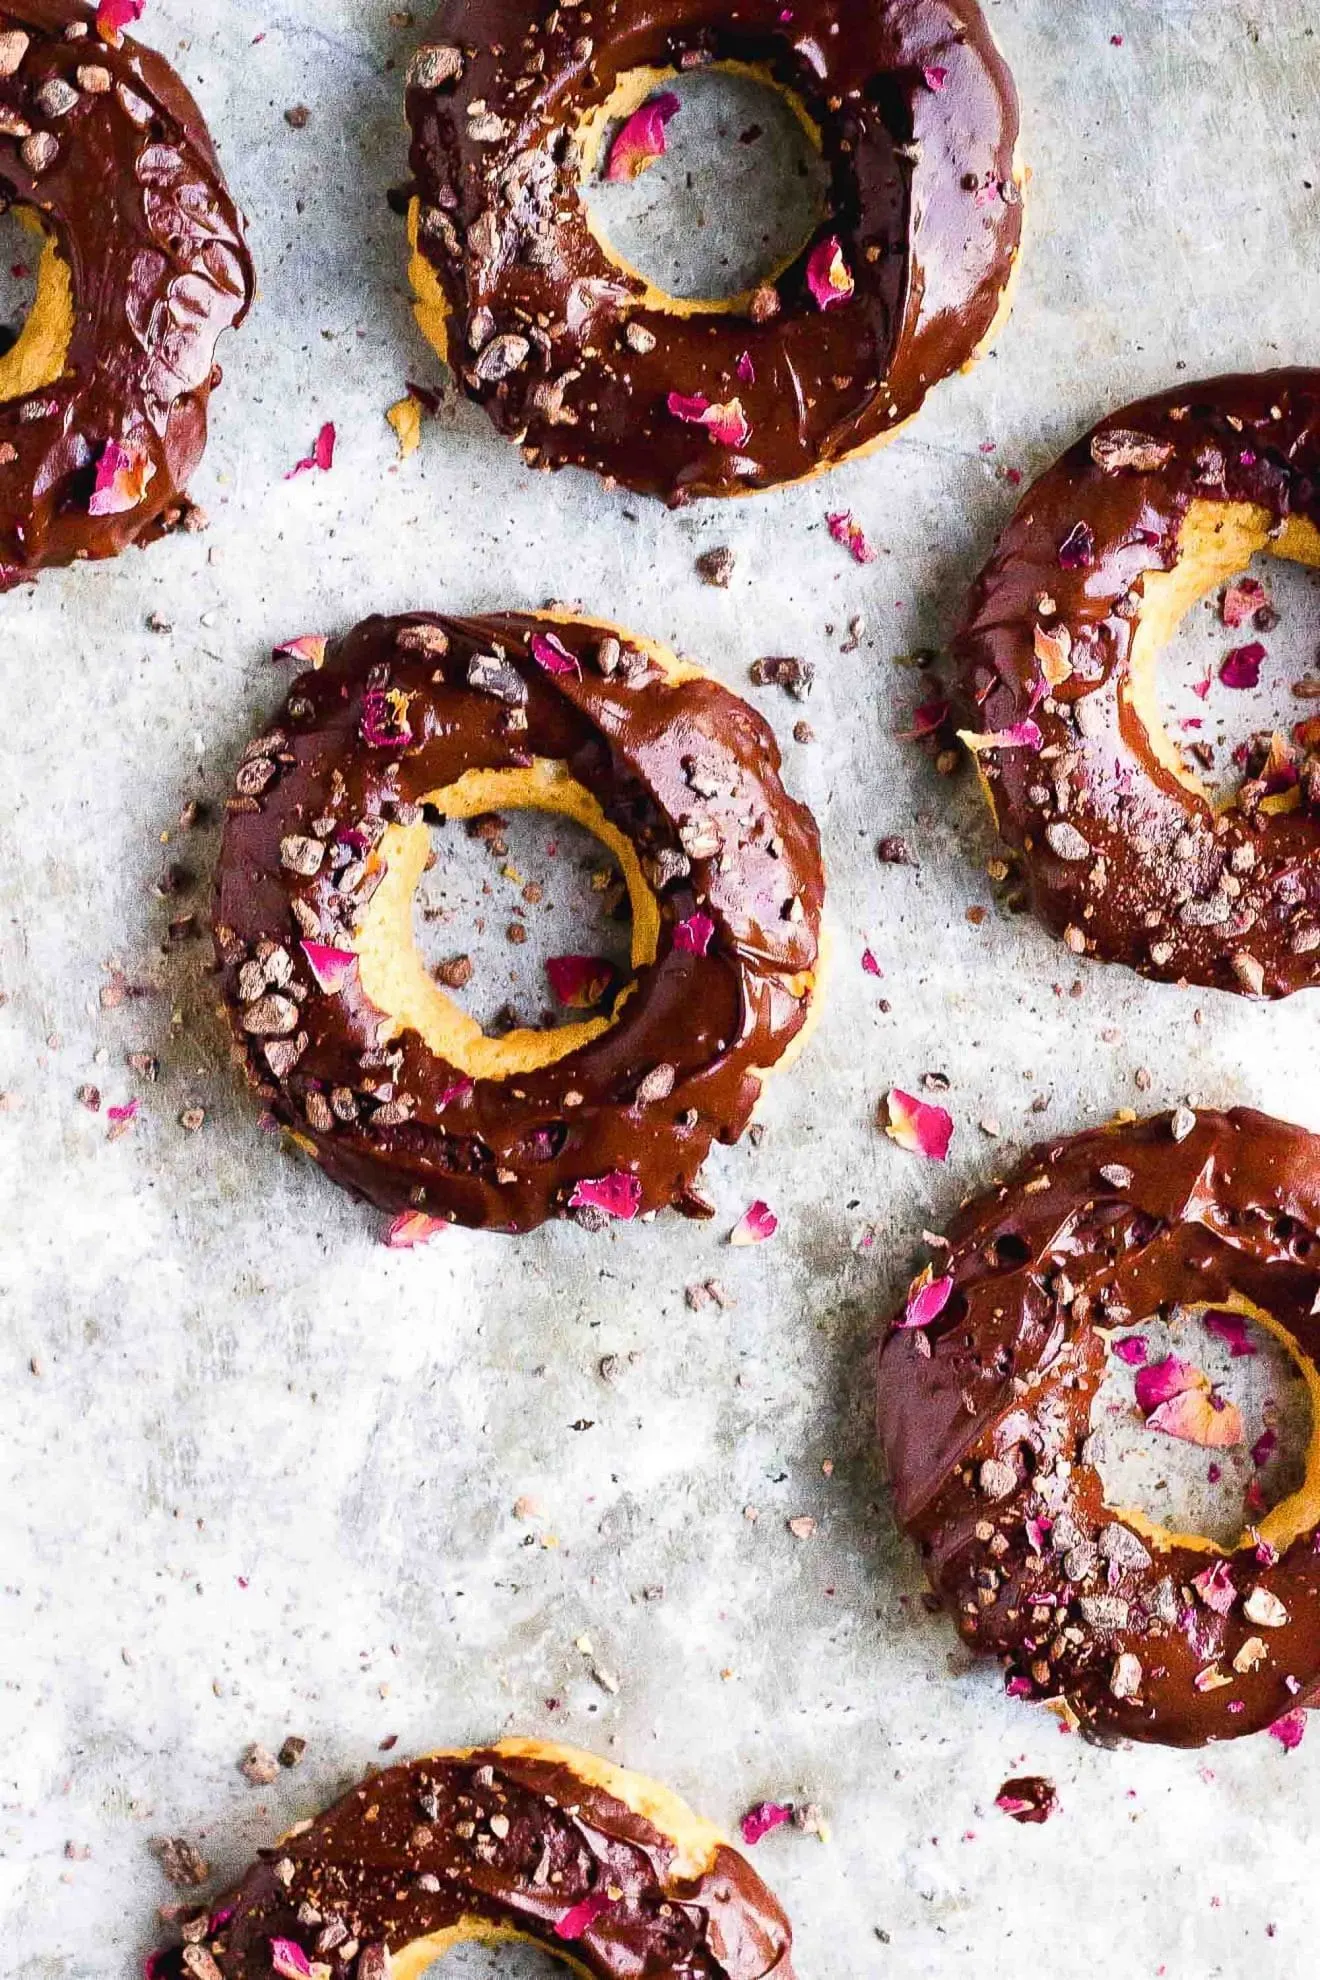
[(726, 424), (413, 1227), (618, 1195), (870, 965), (1289, 1730), (579, 982), (1241, 601), (829, 277), (1264, 1448), (927, 720), (1196, 1417), (288, 1959), (308, 647), (640, 140), (1232, 1329), (1077, 551), (1030, 1799), (845, 529), (757, 1223), (1133, 1350), (917, 1127), (936, 78), (385, 722), (553, 655), (745, 369), (1216, 1587), (692, 937), (761, 1819), (113, 16), (122, 477), (330, 967), (579, 1917), (322, 455), (926, 1300), (458, 1091), (1242, 667), (1162, 1380), (1022, 735), (121, 1115)]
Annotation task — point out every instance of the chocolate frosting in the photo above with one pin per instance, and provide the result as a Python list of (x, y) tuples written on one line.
[(1121, 857), (106, 146), (984, 1419), (919, 124), (517, 1841), (671, 762)]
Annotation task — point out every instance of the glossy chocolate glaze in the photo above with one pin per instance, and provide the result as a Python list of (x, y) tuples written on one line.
[(135, 200), (506, 1154), (1141, 871), (414, 1850), (923, 201), (1007, 1374)]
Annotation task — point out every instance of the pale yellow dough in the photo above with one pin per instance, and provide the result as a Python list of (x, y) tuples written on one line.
[(39, 357)]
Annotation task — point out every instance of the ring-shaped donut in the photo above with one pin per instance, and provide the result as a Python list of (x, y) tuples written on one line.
[(524, 1840), (986, 1380), (1126, 854), (103, 398), (583, 362), (387, 1081)]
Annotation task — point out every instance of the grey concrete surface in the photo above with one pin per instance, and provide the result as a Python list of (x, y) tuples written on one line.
[(257, 1473)]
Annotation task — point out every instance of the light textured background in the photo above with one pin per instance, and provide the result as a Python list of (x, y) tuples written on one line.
[(264, 1479)]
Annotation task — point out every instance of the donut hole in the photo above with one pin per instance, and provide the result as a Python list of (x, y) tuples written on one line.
[(1212, 1492), (36, 309), (735, 198), (509, 895), (1212, 695)]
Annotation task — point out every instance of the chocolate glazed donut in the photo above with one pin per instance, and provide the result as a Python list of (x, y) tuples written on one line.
[(524, 1840), (396, 1091), (1126, 855), (103, 399), (985, 1389), (580, 360)]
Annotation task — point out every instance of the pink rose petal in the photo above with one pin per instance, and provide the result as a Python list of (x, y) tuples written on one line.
[(1289, 1730), (1132, 1350), (1161, 1380), (1264, 1448), (551, 654), (1028, 1800), (926, 1300), (618, 1195), (1241, 601), (845, 529), (936, 78), (917, 1127), (122, 477), (411, 1228), (870, 965), (288, 1959), (745, 369), (1022, 735), (1216, 1587), (309, 648), (128, 1112), (1232, 1329), (757, 1223), (1198, 1418), (761, 1819), (322, 455), (726, 424), (385, 722), (1242, 667), (692, 937), (927, 720), (458, 1091), (331, 968), (579, 982), (829, 277), (113, 16), (641, 139), (579, 1917)]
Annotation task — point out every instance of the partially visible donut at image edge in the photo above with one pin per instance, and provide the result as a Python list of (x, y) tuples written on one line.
[(525, 1840), (582, 361), (987, 1376), (103, 397), (1126, 854), (383, 1078)]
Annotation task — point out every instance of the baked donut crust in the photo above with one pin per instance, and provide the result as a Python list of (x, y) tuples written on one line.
[(394, 1089), (1125, 854), (103, 399), (575, 355), (984, 1416), (525, 1840)]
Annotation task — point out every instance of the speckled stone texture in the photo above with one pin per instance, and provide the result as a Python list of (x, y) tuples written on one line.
[(265, 1479)]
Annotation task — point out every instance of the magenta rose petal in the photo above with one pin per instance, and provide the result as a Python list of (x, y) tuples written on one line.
[(1289, 1730), (551, 654), (1242, 667), (927, 1299), (1195, 1417), (411, 1228), (122, 477), (308, 649), (331, 968), (322, 456), (757, 1223), (692, 936), (288, 1959), (918, 1127), (640, 140), (579, 982), (829, 277), (579, 1917), (1231, 1328), (726, 424), (1216, 1587), (845, 529), (760, 1820), (1160, 1381), (617, 1195)]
